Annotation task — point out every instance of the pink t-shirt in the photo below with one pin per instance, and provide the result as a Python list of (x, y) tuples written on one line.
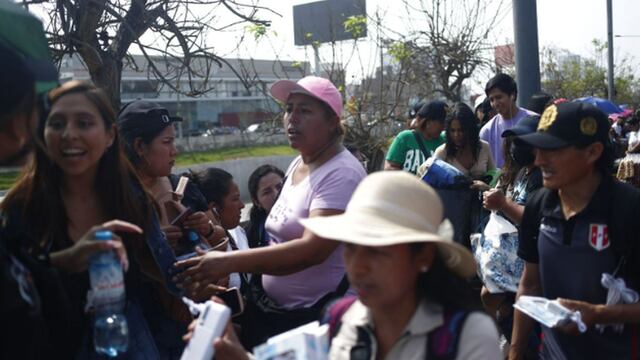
[(328, 187)]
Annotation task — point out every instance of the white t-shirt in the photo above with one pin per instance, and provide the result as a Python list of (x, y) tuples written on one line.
[(240, 237)]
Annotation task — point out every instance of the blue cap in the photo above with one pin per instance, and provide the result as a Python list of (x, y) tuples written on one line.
[(104, 235)]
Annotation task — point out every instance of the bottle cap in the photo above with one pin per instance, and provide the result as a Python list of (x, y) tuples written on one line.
[(104, 235)]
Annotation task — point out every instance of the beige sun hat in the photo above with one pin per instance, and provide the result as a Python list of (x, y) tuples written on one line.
[(395, 207)]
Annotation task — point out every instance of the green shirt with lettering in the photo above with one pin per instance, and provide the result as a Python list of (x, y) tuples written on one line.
[(405, 151)]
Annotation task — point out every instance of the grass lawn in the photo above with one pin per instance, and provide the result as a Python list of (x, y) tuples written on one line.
[(186, 159), (218, 155), (7, 179)]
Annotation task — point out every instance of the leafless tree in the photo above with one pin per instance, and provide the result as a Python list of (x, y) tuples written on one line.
[(174, 44), (452, 38)]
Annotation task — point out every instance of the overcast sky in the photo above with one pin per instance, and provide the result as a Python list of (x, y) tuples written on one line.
[(568, 24)]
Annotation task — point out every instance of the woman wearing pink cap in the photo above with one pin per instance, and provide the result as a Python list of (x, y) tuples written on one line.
[(301, 271)]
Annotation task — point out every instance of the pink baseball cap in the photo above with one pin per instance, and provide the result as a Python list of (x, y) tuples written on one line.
[(317, 87)]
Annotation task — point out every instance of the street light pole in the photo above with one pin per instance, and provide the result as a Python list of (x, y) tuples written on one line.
[(610, 84), (525, 24)]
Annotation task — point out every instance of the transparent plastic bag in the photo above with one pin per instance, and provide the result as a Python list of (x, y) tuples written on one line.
[(495, 251)]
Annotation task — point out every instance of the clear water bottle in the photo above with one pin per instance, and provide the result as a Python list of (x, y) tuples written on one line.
[(110, 330)]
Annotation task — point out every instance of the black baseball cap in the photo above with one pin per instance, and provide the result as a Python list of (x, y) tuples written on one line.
[(435, 110), (571, 123), (141, 117), (527, 125), (415, 108)]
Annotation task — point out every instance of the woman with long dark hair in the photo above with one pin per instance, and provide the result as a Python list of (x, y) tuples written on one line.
[(264, 185), (80, 177), (463, 148)]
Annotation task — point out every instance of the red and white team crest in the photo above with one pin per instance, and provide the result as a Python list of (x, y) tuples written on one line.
[(599, 236)]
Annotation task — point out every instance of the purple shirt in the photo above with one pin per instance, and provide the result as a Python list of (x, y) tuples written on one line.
[(491, 132), (328, 187)]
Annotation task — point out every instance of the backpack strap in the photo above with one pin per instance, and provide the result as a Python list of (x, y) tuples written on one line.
[(442, 342), (421, 144), (335, 312)]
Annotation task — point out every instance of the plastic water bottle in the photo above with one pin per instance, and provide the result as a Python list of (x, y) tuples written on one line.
[(110, 330)]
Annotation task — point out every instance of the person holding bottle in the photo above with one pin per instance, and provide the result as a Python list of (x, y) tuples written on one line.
[(82, 179)]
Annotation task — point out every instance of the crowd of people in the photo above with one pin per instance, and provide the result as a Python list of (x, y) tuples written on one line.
[(374, 256)]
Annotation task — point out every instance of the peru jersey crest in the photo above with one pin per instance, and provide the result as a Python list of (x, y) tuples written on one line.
[(599, 236)]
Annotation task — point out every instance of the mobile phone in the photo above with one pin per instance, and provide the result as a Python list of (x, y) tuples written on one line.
[(233, 299), (181, 217)]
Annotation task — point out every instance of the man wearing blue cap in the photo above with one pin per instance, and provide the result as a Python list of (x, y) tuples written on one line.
[(579, 239)]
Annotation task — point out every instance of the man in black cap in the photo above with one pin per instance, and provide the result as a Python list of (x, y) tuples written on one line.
[(577, 234), (412, 147)]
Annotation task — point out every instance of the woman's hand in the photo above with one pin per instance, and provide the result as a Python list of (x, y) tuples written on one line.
[(480, 186), (201, 271), (172, 233), (76, 258), (228, 346), (493, 200), (199, 222)]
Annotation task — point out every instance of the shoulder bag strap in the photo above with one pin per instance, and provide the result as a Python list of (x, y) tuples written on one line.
[(421, 144), (442, 342)]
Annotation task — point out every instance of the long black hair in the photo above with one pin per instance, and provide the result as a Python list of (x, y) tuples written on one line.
[(39, 185), (258, 215), (441, 286), (214, 183), (469, 124)]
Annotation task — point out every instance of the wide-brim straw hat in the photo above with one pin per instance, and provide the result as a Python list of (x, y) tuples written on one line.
[(395, 207)]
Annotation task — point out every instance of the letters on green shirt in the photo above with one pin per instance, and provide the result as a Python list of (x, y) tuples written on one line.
[(406, 152)]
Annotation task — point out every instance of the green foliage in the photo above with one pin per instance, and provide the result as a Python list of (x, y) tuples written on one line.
[(572, 76), (257, 30), (356, 25), (399, 51)]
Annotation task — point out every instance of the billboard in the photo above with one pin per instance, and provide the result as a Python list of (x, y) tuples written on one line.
[(323, 21)]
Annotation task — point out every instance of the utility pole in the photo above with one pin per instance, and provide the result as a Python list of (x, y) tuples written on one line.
[(525, 26), (610, 85)]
